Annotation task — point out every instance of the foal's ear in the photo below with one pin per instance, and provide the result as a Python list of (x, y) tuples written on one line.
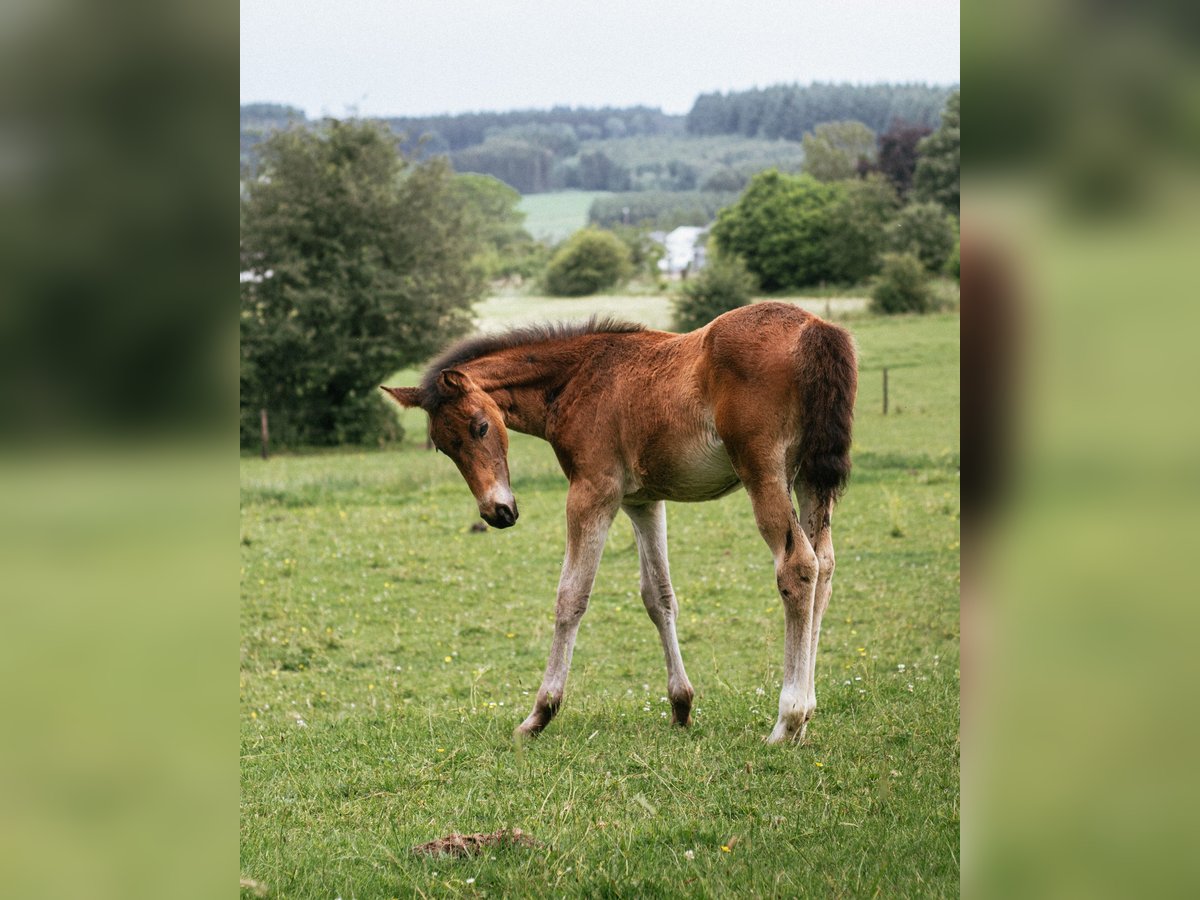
[(453, 383), (406, 397)]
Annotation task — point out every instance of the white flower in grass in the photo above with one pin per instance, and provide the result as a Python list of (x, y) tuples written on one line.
[(759, 691), (689, 854)]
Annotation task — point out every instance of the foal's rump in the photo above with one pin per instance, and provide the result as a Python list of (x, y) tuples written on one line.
[(781, 383)]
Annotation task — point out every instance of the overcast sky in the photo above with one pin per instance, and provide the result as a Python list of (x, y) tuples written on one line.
[(414, 57)]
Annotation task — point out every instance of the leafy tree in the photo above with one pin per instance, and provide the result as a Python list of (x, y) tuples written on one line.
[(927, 231), (589, 261), (356, 262), (597, 172), (780, 227), (897, 158), (857, 231), (832, 151), (724, 284), (491, 207), (936, 177), (902, 286)]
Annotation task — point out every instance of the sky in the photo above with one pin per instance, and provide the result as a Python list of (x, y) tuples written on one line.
[(419, 57)]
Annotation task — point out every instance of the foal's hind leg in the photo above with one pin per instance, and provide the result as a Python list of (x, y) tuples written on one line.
[(589, 513), (650, 528), (796, 571), (815, 516)]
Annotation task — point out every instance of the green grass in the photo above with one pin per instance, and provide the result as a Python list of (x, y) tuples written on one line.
[(388, 652), (556, 215)]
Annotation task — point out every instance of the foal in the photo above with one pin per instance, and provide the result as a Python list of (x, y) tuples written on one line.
[(761, 397)]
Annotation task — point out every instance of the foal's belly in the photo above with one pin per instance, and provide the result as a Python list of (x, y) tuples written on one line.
[(698, 472)]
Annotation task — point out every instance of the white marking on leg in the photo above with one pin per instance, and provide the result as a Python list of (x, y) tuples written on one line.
[(796, 577), (817, 520), (586, 532), (650, 529)]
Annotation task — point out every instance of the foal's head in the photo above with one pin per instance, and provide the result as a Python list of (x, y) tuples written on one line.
[(466, 425)]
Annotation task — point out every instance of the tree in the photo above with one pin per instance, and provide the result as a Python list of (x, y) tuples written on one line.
[(356, 262), (897, 158), (833, 150), (902, 286), (491, 206), (857, 230), (927, 231), (936, 177), (589, 261), (780, 227), (724, 284)]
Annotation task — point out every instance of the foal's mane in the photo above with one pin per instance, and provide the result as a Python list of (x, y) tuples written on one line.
[(483, 344)]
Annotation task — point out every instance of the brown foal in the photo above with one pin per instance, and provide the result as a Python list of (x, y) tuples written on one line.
[(761, 397)]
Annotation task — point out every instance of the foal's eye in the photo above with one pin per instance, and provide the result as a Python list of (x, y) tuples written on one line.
[(483, 427)]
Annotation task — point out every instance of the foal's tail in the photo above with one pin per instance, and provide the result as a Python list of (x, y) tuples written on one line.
[(828, 377)]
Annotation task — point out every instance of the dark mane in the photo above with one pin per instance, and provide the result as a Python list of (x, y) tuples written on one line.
[(482, 344)]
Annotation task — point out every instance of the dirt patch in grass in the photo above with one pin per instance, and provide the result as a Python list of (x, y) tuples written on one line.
[(467, 844)]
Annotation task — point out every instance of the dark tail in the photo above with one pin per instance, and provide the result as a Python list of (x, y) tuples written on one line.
[(828, 374)]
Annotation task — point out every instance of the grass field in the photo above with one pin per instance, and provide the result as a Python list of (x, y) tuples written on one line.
[(388, 652), (554, 216)]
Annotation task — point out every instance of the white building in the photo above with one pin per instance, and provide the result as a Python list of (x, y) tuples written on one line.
[(684, 250)]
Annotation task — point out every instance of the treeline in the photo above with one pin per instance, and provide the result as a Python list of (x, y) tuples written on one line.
[(788, 111), (443, 134), (717, 146), (534, 159), (659, 210)]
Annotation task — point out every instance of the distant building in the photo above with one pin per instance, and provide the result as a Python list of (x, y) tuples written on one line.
[(685, 250)]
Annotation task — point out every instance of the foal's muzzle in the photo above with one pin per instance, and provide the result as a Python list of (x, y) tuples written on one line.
[(503, 516)]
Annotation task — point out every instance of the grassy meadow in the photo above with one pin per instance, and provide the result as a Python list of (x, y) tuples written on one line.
[(556, 215), (388, 651)]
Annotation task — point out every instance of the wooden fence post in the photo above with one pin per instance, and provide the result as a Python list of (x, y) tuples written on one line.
[(885, 390), (266, 436)]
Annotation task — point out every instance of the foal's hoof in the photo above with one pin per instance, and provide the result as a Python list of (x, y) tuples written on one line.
[(786, 731), (527, 731)]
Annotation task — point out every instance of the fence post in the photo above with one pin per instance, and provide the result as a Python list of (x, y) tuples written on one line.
[(266, 436), (885, 390)]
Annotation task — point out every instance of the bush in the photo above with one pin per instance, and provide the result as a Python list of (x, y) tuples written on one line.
[(589, 261), (902, 286), (780, 228), (953, 266), (724, 284), (926, 230)]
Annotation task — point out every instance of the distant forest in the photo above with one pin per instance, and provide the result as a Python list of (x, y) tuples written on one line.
[(716, 147)]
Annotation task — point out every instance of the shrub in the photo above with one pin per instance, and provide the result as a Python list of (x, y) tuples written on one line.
[(779, 227), (952, 267), (724, 284), (589, 261), (902, 286), (926, 230)]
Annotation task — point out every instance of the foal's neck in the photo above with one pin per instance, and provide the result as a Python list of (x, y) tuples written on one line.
[(524, 381)]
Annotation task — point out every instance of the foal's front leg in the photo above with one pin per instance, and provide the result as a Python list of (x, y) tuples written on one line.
[(589, 514), (650, 528)]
